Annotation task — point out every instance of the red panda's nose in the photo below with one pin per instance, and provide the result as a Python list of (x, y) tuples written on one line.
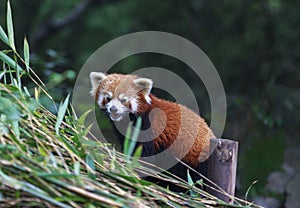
[(113, 109)]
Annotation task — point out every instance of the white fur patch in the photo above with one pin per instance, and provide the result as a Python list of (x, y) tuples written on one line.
[(134, 105), (148, 99)]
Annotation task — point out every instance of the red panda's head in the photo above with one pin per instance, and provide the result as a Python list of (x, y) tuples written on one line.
[(120, 94)]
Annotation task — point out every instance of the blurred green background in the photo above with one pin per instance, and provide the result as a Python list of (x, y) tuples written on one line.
[(254, 45)]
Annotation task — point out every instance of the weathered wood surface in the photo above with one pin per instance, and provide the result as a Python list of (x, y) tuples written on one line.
[(222, 165)]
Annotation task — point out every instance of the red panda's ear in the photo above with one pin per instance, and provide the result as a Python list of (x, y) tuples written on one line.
[(144, 83), (96, 79)]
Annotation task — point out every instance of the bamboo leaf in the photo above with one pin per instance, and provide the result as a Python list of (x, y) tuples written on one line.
[(127, 142), (77, 168), (42, 151), (26, 54), (82, 118), (10, 27), (6, 59), (36, 93), (84, 132), (137, 129), (7, 147), (55, 175), (189, 178), (2, 74), (9, 109), (52, 160), (26, 91), (191, 183), (61, 113), (70, 146), (135, 136), (15, 128), (91, 164), (3, 36), (138, 152)]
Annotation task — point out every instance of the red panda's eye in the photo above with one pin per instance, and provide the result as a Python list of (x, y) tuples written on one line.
[(108, 99), (123, 100)]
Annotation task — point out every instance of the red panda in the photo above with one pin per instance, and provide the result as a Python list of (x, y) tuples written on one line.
[(122, 95)]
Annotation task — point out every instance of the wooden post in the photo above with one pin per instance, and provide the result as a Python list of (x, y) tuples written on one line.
[(222, 166)]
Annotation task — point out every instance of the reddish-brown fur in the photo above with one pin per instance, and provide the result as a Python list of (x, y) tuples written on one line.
[(195, 135)]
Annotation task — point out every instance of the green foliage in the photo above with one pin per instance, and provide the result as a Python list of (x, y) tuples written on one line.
[(253, 44), (48, 160), (63, 171)]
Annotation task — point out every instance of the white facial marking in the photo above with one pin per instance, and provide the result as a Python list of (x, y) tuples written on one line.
[(100, 100), (109, 94)]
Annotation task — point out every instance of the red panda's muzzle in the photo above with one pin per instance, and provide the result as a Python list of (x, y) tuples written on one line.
[(116, 110), (116, 117)]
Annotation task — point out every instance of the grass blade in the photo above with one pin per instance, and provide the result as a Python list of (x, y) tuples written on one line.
[(249, 188), (10, 27)]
